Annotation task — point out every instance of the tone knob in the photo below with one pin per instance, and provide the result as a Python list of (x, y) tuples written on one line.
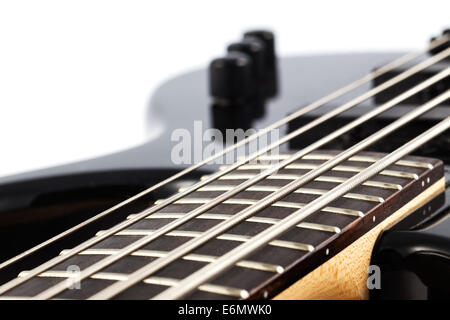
[(270, 82), (268, 38), (230, 77), (255, 49)]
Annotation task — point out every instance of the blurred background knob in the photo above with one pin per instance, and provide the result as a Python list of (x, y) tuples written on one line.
[(255, 49), (268, 38), (230, 77)]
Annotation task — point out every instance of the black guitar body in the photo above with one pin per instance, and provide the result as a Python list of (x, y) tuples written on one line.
[(38, 205)]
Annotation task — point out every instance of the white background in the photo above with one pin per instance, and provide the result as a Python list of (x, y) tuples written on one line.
[(76, 76)]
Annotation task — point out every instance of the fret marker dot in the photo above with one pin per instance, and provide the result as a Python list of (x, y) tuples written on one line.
[(244, 294), (266, 294), (373, 218), (423, 183), (428, 180), (327, 252)]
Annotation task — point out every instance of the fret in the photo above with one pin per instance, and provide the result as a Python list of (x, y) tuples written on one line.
[(216, 216), (314, 238), (160, 281), (284, 204), (309, 166), (191, 257), (211, 288), (369, 183), (357, 158), (224, 236), (355, 196), (326, 240)]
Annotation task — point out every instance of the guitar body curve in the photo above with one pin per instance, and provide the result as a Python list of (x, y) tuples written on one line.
[(55, 196)]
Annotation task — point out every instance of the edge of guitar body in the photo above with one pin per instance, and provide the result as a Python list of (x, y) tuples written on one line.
[(345, 275)]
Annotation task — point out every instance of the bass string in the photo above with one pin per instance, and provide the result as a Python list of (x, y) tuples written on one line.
[(220, 265), (249, 211), (90, 242), (107, 261), (376, 73), (147, 270)]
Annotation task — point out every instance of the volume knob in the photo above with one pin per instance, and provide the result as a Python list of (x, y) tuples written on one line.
[(230, 77), (268, 38), (255, 49), (270, 80)]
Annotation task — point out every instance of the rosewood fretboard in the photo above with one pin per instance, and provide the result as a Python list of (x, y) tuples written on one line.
[(275, 266)]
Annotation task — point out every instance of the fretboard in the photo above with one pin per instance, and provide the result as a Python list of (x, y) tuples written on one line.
[(275, 266)]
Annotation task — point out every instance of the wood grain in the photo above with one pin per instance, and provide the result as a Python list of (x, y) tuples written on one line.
[(345, 275), (294, 263)]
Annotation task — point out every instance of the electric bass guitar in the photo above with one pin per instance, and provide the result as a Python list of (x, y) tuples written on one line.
[(307, 177)]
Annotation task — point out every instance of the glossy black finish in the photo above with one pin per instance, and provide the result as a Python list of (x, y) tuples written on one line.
[(302, 80), (231, 78), (241, 82), (269, 85), (420, 98), (414, 256), (176, 104), (268, 38), (255, 49), (438, 148)]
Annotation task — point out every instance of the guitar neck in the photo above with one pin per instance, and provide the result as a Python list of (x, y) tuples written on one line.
[(313, 246)]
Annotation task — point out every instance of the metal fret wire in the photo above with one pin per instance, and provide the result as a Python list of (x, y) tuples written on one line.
[(124, 224), (213, 232), (310, 166), (330, 97), (92, 269), (369, 183), (256, 265), (181, 250), (313, 191), (358, 158), (282, 204), (220, 265), (265, 220)]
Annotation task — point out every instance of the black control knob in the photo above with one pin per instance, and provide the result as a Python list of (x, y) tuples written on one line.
[(268, 38), (255, 49), (230, 77), (270, 81)]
